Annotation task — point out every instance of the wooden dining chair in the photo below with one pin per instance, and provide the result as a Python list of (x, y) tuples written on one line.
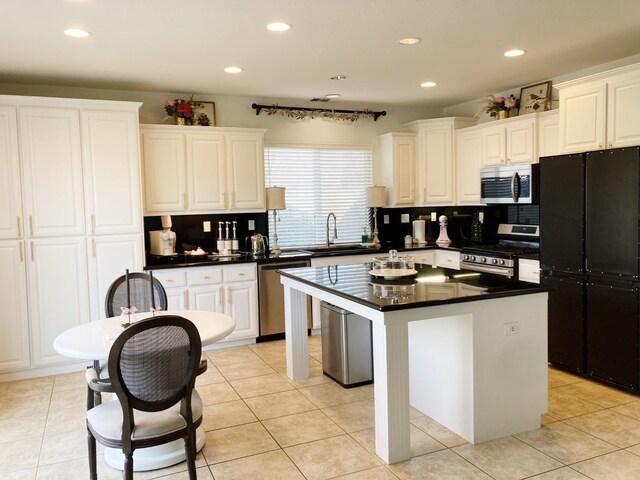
[(153, 365), (139, 294)]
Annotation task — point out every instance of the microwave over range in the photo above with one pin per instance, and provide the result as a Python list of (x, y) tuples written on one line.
[(510, 183)]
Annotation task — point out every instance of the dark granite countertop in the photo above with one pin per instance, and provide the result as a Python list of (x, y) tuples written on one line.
[(429, 286)]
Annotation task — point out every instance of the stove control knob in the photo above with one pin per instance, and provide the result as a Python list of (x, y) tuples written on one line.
[(501, 262), (466, 257), (483, 260), (494, 261), (473, 258)]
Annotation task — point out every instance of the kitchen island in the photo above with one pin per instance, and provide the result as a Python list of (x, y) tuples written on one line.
[(467, 349)]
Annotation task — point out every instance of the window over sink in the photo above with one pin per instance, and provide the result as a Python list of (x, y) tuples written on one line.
[(319, 181)]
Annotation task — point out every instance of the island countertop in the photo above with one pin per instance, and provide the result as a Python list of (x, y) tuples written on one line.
[(429, 286)]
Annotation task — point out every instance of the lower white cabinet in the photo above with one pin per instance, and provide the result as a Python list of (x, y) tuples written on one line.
[(229, 289), (529, 270), (14, 319), (58, 293), (448, 259)]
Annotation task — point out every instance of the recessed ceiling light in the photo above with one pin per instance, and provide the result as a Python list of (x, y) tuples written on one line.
[(428, 84), (76, 32), (332, 95), (514, 53), (232, 69), (409, 41), (278, 27), (338, 77)]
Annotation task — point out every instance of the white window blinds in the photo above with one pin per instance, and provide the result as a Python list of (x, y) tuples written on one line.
[(319, 181)]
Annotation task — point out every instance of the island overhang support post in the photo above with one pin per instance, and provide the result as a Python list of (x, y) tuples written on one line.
[(391, 390), (295, 321)]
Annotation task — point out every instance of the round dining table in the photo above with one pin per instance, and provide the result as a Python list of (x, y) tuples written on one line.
[(93, 340)]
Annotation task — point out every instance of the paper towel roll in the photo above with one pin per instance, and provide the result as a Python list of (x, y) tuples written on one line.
[(418, 231)]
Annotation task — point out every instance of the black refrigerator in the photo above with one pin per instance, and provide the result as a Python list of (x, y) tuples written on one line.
[(589, 255)]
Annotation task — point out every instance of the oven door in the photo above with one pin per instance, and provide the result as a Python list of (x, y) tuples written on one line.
[(483, 268), (509, 184)]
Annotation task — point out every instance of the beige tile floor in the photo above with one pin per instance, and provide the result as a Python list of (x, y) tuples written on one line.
[(261, 425)]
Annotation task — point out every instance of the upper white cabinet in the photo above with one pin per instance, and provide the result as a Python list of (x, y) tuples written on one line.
[(510, 141), (436, 158), (548, 133), (10, 192), (396, 167), (52, 170), (600, 111), (111, 160), (202, 169), (468, 164)]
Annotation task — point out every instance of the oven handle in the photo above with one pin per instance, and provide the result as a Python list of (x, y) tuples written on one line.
[(505, 272)]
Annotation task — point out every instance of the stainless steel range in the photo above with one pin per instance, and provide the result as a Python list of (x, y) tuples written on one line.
[(502, 258)]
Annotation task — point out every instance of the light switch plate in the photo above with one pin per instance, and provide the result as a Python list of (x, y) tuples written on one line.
[(434, 218), (385, 219), (206, 226), (252, 225), (404, 218)]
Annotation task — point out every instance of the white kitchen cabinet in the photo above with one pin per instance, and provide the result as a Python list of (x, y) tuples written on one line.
[(14, 318), (52, 170), (448, 259), (111, 161), (58, 293), (10, 191), (229, 289), (427, 257), (549, 133), (202, 169), (396, 167), (109, 257), (529, 270), (600, 111), (436, 158), (468, 164), (509, 141)]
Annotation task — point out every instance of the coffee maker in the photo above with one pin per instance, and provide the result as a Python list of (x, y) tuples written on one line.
[(163, 242)]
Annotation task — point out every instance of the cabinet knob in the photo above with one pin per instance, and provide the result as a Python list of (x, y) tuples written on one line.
[(610, 144), (169, 280)]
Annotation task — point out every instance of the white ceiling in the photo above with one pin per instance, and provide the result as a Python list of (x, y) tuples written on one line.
[(183, 45)]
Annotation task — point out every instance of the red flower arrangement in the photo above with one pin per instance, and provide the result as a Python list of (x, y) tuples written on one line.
[(180, 108)]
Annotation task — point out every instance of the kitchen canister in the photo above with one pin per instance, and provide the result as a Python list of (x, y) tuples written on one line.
[(418, 232)]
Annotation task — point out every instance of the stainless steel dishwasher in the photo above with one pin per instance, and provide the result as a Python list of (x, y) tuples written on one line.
[(347, 355), (271, 299)]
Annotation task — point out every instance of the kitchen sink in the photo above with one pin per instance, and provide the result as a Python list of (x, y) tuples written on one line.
[(336, 248)]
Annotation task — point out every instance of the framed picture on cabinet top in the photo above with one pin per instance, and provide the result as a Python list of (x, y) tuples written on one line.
[(535, 98), (204, 114)]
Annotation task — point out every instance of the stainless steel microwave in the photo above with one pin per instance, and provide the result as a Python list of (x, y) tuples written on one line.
[(510, 183)]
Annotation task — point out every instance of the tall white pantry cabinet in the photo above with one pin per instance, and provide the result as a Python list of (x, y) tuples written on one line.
[(70, 218)]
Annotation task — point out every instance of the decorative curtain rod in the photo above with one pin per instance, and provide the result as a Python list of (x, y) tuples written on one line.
[(304, 112)]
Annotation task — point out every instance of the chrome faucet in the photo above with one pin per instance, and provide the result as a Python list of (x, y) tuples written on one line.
[(335, 228)]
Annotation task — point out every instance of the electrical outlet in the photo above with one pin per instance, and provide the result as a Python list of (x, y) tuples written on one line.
[(434, 218), (385, 219), (252, 225), (206, 226), (404, 218), (481, 217), (511, 328)]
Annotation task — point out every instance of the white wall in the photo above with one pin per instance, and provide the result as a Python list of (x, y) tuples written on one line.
[(232, 111)]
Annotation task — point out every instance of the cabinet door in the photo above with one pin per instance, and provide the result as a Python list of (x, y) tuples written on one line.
[(404, 166), (206, 173), (494, 145), (623, 117), (612, 333), (582, 118), (109, 257), (468, 164), (528, 270), (207, 298), (14, 320), (164, 172), (566, 321), (549, 134), (177, 299), (59, 296), (520, 141), (52, 169), (112, 171), (10, 191), (437, 164), (241, 301), (448, 259), (245, 172)]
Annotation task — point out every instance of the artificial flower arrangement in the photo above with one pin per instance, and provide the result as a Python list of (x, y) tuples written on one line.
[(501, 104), (179, 108)]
